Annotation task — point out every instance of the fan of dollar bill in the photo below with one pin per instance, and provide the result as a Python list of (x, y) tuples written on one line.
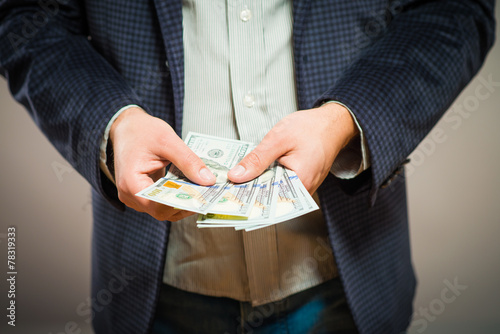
[(277, 195)]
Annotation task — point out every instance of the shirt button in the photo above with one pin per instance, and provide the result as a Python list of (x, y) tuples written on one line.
[(249, 100), (245, 14)]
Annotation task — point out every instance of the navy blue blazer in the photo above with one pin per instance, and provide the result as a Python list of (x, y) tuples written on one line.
[(398, 65)]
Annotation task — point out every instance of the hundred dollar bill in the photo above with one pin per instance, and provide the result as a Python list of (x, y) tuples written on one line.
[(237, 200), (263, 207), (181, 195), (219, 155), (275, 196), (288, 202), (293, 201)]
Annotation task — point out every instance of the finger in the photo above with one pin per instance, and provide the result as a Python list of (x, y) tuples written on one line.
[(159, 211), (256, 162), (181, 215), (127, 191), (157, 174), (163, 212), (188, 162)]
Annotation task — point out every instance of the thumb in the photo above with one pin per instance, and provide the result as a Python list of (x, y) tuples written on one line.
[(256, 162), (189, 163)]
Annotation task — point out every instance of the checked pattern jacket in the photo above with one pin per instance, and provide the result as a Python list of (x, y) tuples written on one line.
[(398, 65)]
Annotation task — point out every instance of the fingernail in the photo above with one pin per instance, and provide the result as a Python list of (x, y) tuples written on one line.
[(238, 170), (207, 175)]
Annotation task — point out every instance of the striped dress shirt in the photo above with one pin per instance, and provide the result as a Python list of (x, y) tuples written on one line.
[(239, 82)]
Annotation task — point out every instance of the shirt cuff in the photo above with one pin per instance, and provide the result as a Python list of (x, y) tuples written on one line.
[(104, 142), (354, 158)]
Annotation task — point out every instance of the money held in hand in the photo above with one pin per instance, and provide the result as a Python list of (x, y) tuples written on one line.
[(274, 197)]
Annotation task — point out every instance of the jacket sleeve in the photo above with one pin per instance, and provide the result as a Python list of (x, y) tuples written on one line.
[(52, 69), (402, 83)]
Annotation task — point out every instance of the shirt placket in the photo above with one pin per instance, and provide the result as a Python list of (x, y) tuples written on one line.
[(247, 67), (248, 84)]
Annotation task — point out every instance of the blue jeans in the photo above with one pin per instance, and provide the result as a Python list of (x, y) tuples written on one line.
[(318, 310)]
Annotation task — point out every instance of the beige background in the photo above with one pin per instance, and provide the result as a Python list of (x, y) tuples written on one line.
[(454, 196)]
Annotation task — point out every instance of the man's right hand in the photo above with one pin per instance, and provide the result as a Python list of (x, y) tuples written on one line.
[(143, 146)]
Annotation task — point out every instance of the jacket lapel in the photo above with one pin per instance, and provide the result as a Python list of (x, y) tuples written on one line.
[(170, 18), (300, 13)]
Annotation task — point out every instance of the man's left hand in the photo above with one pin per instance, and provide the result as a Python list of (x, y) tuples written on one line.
[(305, 141)]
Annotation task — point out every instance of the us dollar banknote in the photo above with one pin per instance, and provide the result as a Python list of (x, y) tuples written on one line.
[(262, 209), (277, 195), (219, 155), (293, 201)]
